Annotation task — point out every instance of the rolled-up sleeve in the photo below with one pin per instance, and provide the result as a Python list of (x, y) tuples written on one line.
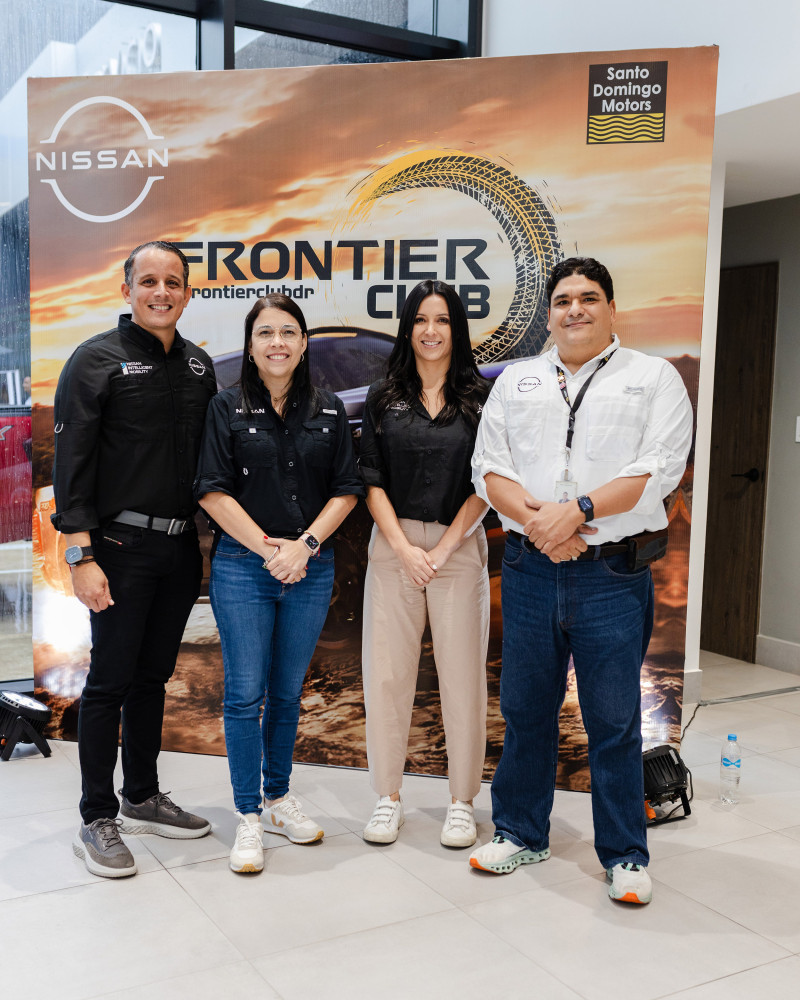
[(370, 459), (77, 413), (492, 450), (215, 466), (665, 443), (345, 480)]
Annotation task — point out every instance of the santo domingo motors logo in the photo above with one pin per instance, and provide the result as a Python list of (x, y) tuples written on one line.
[(627, 102), (140, 158)]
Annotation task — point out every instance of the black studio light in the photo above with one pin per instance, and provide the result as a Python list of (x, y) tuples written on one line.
[(22, 720), (666, 779)]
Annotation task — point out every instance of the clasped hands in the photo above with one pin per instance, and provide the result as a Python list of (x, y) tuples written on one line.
[(420, 566), (285, 558), (556, 529)]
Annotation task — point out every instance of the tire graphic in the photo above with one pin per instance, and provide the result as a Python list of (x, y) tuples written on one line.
[(521, 214)]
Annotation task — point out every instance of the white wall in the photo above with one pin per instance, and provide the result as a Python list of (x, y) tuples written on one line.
[(758, 43), (754, 234)]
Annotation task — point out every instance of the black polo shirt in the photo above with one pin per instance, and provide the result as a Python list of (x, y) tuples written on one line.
[(128, 421), (421, 463), (281, 471)]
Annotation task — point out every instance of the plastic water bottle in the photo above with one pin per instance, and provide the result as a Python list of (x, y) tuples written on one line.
[(730, 770)]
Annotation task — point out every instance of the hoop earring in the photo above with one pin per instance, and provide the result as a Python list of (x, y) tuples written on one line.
[(302, 357), (251, 359)]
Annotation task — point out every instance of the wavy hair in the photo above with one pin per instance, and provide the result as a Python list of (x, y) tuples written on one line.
[(465, 389)]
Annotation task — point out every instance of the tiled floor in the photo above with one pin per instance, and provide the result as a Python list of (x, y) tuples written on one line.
[(343, 919)]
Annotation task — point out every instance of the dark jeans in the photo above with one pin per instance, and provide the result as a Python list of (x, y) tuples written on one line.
[(154, 579), (602, 614)]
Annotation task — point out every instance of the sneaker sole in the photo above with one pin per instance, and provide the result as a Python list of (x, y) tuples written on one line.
[(453, 842), (246, 869), (382, 838), (162, 829), (525, 857), (92, 866), (630, 897), (295, 840)]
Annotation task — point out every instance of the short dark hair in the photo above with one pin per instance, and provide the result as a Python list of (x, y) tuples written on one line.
[(586, 266), (158, 245), (249, 379)]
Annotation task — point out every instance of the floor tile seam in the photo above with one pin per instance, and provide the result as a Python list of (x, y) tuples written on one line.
[(721, 979), (376, 851), (208, 916), (725, 916), (96, 881), (168, 979)]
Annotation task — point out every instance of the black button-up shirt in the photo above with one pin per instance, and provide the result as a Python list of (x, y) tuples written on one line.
[(128, 421), (422, 464), (282, 472)]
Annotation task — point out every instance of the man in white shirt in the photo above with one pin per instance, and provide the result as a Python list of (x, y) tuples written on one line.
[(590, 435)]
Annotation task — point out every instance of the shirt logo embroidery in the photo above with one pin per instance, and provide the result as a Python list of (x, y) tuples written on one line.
[(528, 383), (333, 412), (402, 407), (135, 368), (634, 390), (197, 366)]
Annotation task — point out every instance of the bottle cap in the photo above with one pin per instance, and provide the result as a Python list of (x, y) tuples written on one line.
[(731, 736)]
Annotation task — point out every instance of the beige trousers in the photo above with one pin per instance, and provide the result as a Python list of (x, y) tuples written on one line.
[(457, 605)]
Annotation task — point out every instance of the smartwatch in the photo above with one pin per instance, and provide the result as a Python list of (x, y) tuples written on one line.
[(311, 543), (587, 508), (76, 554)]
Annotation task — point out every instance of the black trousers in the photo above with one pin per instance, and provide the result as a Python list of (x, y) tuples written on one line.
[(154, 579)]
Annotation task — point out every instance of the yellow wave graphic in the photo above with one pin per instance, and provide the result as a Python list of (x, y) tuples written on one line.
[(626, 128)]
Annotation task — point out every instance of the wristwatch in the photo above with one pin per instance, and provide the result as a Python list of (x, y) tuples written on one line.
[(587, 508), (76, 554), (311, 542)]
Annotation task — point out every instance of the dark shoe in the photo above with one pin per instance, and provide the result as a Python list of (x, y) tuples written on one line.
[(160, 815), (100, 846)]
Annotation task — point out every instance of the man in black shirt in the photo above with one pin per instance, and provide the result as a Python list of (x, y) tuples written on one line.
[(129, 412)]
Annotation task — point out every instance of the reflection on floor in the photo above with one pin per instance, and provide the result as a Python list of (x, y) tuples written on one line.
[(343, 919), (16, 662)]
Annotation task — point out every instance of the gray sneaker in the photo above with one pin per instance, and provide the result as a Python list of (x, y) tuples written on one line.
[(100, 846), (160, 815)]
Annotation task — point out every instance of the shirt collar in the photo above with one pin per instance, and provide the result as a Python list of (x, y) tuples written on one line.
[(553, 357), (144, 338)]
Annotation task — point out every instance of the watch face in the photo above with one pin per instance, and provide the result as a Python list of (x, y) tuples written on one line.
[(311, 542), (73, 554)]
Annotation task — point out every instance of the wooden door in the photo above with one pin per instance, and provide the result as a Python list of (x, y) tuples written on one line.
[(739, 448)]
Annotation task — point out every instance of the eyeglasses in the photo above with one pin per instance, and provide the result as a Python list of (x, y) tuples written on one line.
[(288, 334)]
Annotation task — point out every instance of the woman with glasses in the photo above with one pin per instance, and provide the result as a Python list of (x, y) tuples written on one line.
[(277, 477), (427, 556)]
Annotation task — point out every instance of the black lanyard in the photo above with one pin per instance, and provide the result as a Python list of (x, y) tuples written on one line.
[(573, 409)]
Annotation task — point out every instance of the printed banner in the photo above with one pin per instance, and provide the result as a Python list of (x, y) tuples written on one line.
[(343, 186)]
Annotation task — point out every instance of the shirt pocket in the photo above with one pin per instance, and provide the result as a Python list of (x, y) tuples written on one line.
[(253, 447), (321, 434), (525, 425), (615, 427), (140, 404)]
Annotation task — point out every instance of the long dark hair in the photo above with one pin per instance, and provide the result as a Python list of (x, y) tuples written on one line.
[(250, 383), (465, 389)]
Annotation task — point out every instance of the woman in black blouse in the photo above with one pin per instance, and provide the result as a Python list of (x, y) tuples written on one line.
[(277, 476), (427, 556)]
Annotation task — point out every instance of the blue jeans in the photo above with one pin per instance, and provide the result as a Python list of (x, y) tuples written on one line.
[(268, 632), (601, 613)]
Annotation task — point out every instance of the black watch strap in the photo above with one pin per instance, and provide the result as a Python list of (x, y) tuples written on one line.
[(587, 508)]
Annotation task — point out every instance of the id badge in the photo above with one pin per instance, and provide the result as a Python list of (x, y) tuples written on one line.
[(566, 490)]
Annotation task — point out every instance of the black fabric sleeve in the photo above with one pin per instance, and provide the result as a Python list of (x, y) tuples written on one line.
[(345, 480), (215, 463), (370, 461), (77, 413)]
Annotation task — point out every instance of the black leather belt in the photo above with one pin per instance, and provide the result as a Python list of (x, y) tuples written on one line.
[(593, 551), (172, 525)]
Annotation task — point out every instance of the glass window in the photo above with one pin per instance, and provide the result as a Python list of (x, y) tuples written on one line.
[(416, 15), (262, 50)]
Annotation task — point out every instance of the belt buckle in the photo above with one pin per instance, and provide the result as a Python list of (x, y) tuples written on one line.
[(176, 526)]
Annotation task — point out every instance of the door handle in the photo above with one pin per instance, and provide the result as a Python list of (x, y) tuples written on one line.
[(752, 474)]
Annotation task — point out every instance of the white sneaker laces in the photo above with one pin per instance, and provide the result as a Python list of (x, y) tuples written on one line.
[(248, 835), (291, 807)]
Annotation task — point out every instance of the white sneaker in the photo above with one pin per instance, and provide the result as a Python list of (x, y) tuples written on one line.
[(501, 856), (630, 883), (459, 828), (247, 853), (385, 821), (288, 819)]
